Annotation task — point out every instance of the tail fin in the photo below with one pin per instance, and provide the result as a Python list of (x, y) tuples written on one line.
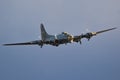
[(44, 34)]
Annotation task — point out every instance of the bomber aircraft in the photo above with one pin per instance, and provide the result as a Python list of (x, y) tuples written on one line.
[(56, 40)]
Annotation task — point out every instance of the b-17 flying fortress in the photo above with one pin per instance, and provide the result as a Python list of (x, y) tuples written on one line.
[(56, 40)]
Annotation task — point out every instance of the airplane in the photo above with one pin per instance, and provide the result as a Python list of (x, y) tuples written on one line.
[(56, 40)]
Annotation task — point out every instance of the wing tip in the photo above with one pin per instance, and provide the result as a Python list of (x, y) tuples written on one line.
[(114, 28), (6, 44), (3, 44)]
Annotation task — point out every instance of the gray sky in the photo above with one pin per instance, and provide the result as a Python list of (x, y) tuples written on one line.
[(98, 59)]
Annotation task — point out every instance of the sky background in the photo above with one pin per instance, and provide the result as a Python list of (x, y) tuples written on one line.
[(98, 59)]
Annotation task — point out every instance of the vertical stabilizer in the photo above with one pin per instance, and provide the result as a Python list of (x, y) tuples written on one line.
[(44, 34)]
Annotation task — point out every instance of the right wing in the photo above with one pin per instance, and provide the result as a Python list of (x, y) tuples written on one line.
[(37, 42)]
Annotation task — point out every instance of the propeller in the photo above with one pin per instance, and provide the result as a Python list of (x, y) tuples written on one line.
[(41, 43), (88, 35)]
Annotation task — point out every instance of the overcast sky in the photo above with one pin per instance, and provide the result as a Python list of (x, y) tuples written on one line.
[(98, 59)]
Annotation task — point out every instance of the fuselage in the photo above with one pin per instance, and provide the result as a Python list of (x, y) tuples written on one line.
[(55, 40)]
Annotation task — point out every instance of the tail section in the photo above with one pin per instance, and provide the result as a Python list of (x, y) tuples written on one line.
[(44, 34)]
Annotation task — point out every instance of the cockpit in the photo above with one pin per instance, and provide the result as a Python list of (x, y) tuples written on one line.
[(65, 33)]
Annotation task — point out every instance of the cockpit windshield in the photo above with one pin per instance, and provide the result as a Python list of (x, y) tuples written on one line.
[(65, 33)]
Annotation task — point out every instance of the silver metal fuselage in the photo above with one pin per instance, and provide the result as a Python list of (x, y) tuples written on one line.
[(62, 36)]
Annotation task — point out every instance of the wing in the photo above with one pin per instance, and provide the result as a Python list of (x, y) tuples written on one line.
[(89, 35), (37, 42), (105, 30)]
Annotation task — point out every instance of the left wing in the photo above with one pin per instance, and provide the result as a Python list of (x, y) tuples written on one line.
[(89, 35)]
